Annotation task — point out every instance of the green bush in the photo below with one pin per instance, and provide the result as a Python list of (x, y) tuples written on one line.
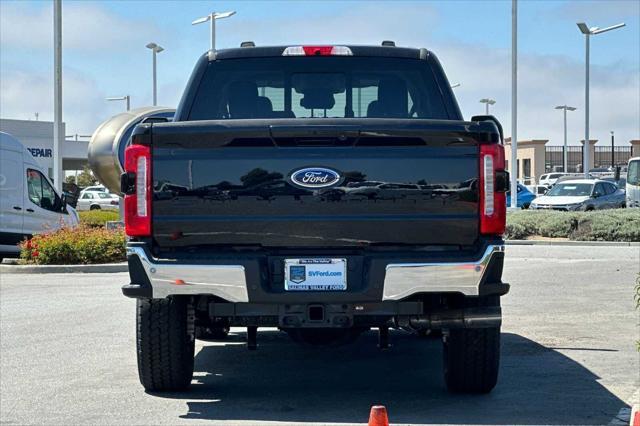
[(81, 245), (558, 226), (609, 225), (601, 225), (97, 218)]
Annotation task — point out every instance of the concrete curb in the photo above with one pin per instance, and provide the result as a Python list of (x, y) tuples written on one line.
[(64, 269), (572, 243)]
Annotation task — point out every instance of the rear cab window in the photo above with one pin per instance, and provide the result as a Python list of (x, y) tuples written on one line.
[(312, 87)]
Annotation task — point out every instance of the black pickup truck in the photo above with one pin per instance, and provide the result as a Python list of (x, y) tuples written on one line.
[(323, 190)]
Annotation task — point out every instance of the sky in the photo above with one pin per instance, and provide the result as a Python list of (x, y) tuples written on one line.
[(104, 54)]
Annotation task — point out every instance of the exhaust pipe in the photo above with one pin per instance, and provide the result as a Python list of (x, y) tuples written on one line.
[(480, 317)]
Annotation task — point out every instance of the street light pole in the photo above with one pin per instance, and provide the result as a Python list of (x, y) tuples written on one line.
[(487, 102), (613, 157), (514, 103), (564, 151), (126, 98), (212, 18), (57, 94), (588, 32), (587, 145), (155, 49)]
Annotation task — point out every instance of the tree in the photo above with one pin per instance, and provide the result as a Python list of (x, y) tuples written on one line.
[(86, 178)]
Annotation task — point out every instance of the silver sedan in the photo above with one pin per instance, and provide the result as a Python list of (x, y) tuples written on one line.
[(581, 194), (96, 200)]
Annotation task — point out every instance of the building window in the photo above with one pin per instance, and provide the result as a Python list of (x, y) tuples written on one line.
[(526, 165)]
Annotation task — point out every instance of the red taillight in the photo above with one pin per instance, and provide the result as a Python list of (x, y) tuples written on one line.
[(137, 206), (493, 200), (317, 51)]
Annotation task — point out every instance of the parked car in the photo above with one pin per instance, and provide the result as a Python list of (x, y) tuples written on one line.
[(537, 190), (621, 182), (97, 200), (524, 197), (96, 188), (323, 268), (581, 194), (550, 179), (29, 203)]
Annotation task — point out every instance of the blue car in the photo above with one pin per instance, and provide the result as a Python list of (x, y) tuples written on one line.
[(524, 198)]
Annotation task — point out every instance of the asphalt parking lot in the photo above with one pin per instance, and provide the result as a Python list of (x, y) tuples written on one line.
[(67, 356)]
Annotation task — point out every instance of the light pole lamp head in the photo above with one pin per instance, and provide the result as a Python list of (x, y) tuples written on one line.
[(213, 15), (566, 107), (487, 101), (201, 20), (155, 47), (597, 30), (584, 29), (223, 15)]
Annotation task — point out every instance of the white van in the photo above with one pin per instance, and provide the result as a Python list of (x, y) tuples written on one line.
[(29, 204), (633, 183)]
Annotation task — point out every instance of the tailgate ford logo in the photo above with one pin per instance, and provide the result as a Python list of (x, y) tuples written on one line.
[(315, 177)]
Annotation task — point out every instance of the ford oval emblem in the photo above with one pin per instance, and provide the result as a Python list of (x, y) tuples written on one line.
[(315, 177)]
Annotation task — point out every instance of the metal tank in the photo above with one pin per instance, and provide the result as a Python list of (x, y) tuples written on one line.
[(108, 142)]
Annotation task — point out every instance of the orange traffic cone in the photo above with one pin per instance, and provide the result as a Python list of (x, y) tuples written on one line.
[(378, 416), (635, 416)]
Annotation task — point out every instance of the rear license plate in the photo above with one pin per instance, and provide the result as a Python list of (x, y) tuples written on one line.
[(317, 274)]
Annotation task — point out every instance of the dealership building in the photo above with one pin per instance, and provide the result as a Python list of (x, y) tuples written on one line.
[(535, 157), (37, 136)]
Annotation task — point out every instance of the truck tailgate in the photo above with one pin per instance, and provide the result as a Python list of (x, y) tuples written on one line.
[(226, 185)]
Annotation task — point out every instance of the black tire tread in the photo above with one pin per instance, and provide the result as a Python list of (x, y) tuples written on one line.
[(472, 360), (164, 347)]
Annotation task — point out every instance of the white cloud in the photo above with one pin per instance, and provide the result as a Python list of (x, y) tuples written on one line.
[(544, 80), (86, 26), (363, 23), (25, 93)]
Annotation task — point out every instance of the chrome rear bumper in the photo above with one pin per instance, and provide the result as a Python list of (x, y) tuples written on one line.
[(404, 279), (225, 281), (229, 282)]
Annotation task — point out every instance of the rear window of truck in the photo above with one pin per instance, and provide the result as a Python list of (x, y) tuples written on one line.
[(318, 87)]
